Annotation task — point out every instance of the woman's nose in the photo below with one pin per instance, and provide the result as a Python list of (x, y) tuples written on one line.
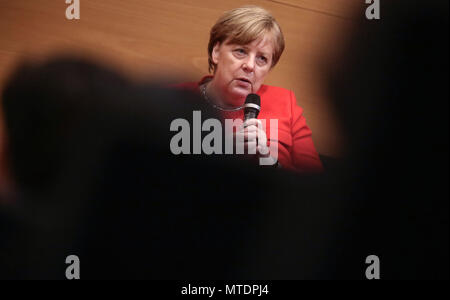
[(249, 64)]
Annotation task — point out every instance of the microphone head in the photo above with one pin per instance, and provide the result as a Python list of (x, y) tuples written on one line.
[(252, 104)]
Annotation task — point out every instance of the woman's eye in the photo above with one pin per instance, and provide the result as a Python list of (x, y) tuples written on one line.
[(240, 52), (262, 59)]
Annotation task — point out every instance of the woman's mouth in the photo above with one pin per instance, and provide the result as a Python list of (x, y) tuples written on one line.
[(244, 82)]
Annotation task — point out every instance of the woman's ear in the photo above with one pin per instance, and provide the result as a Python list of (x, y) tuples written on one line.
[(215, 53)]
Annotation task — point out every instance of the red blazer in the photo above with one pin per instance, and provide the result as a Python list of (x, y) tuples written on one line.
[(295, 145)]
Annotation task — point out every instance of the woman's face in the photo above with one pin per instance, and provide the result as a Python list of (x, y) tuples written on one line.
[(241, 69)]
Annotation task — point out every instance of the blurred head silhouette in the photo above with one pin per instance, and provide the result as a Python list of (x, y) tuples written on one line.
[(390, 88)]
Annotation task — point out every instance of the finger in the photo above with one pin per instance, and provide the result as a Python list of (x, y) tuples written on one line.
[(249, 128), (252, 136), (254, 133), (251, 147), (250, 122), (263, 150), (262, 137)]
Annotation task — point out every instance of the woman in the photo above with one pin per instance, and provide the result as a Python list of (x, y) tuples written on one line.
[(245, 44)]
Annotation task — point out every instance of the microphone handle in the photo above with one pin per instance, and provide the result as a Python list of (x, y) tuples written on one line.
[(250, 115)]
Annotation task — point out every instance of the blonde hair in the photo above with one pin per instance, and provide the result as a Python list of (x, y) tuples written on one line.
[(242, 26)]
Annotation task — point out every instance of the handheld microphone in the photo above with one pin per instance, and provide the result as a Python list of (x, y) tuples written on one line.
[(252, 106)]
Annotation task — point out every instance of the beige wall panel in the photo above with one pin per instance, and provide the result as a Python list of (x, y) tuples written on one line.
[(144, 37)]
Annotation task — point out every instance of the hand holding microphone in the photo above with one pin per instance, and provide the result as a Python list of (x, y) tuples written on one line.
[(252, 131)]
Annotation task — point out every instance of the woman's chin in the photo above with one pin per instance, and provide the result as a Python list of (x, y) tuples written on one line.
[(240, 92)]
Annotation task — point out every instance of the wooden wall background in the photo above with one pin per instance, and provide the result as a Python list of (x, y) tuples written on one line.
[(140, 37)]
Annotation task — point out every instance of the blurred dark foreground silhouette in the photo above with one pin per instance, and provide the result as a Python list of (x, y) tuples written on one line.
[(390, 89), (90, 155)]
